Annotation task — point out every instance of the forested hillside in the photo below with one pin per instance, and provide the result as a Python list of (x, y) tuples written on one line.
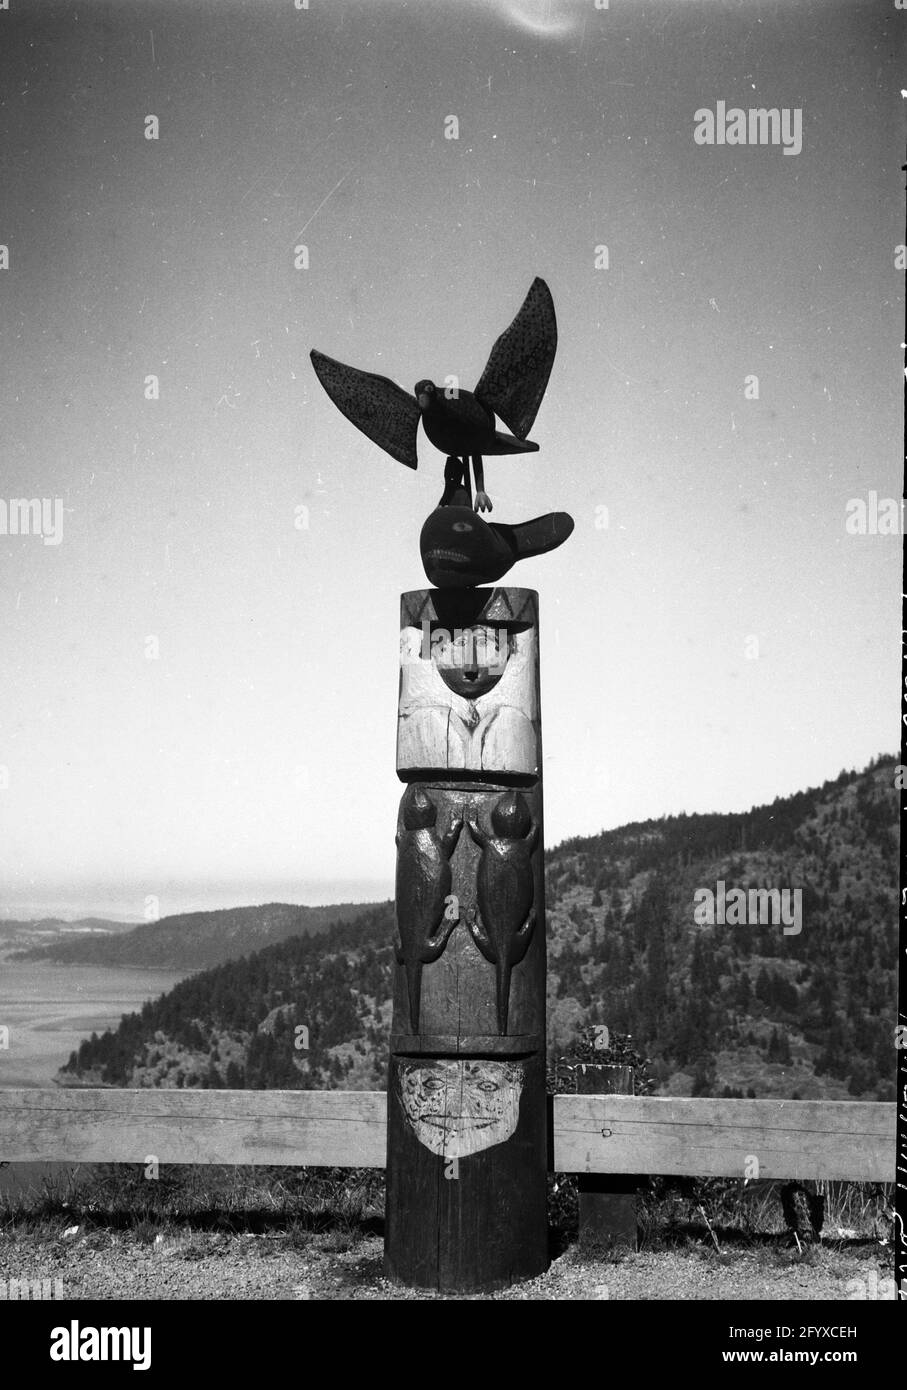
[(235, 1025), (738, 1008), (720, 1009)]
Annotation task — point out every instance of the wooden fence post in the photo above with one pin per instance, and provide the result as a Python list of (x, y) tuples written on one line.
[(466, 1138), (607, 1201)]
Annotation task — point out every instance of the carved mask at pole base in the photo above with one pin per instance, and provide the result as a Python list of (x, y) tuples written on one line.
[(458, 1106)]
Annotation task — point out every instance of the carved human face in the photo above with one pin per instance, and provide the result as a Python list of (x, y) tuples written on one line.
[(457, 1106), (470, 660)]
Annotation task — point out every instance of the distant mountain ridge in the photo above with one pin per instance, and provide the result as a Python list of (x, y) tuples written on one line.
[(15, 931), (719, 1009), (197, 940)]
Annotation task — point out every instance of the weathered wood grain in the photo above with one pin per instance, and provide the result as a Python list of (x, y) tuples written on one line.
[(648, 1134), (315, 1128), (709, 1137)]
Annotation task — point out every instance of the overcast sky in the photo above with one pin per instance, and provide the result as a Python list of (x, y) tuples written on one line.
[(254, 757)]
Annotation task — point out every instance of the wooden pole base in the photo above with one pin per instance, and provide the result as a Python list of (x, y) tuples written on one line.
[(473, 1222)]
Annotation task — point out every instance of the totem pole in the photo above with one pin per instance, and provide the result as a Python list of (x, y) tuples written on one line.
[(466, 1142)]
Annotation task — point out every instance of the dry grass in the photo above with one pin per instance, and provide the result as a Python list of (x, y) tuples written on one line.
[(202, 1207)]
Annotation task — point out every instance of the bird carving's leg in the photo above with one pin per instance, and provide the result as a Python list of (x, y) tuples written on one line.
[(481, 937), (483, 501), (424, 952), (475, 832), (519, 942), (433, 946), (527, 928), (467, 479), (456, 482), (449, 842)]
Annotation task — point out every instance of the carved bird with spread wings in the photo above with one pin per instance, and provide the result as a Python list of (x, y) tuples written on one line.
[(459, 423)]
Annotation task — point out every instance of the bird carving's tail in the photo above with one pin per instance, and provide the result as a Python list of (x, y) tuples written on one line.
[(504, 968), (414, 991), (509, 444)]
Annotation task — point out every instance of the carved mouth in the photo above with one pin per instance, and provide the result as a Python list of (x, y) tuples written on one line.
[(454, 1122), (470, 681), (450, 557)]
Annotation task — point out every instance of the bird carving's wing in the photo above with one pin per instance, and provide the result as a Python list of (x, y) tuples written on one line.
[(374, 404), (513, 383)]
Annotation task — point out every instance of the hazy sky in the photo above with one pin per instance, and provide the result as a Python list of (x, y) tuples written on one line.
[(255, 756)]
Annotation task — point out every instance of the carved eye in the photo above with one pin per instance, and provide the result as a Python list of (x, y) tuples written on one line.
[(462, 526), (488, 1086)]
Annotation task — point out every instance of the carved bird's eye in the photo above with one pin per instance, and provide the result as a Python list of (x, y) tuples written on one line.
[(462, 526)]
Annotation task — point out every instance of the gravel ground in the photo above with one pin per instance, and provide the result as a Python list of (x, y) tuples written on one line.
[(104, 1264)]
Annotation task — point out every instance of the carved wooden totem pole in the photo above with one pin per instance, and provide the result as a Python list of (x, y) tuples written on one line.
[(466, 1142), (466, 1171)]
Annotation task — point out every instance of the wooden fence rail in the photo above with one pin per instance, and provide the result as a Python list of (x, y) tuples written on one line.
[(591, 1133)]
